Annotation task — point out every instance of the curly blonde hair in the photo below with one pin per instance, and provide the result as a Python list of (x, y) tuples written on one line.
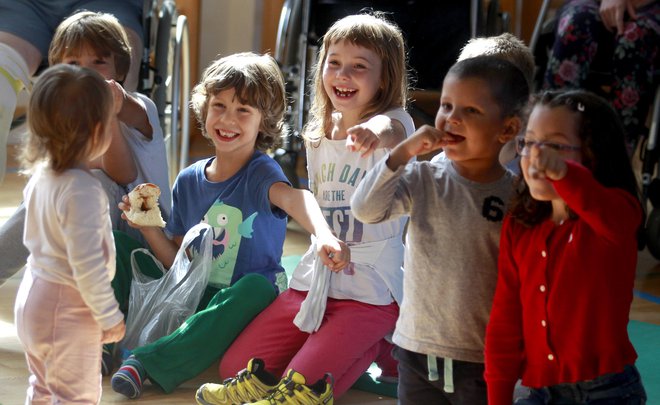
[(66, 107), (257, 81), (374, 32)]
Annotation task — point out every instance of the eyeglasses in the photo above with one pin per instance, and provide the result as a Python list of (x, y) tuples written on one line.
[(523, 146)]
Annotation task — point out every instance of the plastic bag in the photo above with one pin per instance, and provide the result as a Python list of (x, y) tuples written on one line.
[(158, 306)]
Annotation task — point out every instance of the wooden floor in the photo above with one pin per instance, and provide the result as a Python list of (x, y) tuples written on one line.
[(13, 371)]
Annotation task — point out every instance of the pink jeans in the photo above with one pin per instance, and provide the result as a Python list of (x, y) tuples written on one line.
[(62, 342), (348, 341)]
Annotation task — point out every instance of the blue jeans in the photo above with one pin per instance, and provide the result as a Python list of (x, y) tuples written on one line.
[(624, 388)]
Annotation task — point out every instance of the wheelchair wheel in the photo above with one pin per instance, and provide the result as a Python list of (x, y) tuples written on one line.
[(288, 31), (291, 54), (653, 233), (171, 92)]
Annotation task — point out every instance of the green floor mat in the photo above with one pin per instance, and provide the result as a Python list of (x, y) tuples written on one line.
[(646, 339), (289, 263)]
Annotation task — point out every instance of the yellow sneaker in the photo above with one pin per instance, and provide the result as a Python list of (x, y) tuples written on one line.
[(292, 390), (251, 384)]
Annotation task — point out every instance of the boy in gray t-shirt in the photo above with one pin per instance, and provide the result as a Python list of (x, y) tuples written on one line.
[(456, 205)]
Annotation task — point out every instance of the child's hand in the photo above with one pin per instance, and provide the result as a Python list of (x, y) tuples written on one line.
[(125, 206), (425, 140), (118, 95), (114, 334), (334, 252), (361, 139), (546, 163)]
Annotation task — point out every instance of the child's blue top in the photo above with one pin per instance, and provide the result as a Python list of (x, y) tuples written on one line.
[(248, 231)]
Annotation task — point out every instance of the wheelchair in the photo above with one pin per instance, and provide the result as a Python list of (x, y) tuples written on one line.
[(165, 77), (432, 48), (649, 150)]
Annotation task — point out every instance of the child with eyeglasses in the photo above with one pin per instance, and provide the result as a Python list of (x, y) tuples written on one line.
[(568, 254)]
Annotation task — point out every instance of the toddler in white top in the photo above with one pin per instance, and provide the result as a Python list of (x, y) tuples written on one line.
[(65, 306)]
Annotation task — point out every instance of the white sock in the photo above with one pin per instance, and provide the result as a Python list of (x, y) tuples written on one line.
[(13, 77)]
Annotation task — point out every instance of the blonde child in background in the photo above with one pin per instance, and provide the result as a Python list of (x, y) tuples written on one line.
[(567, 261), (137, 152), (244, 195), (65, 307), (509, 47), (456, 206), (506, 46), (357, 115)]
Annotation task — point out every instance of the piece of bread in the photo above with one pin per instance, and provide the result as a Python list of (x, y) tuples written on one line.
[(144, 206)]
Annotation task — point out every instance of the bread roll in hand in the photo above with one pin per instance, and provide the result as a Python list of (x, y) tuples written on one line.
[(144, 206)]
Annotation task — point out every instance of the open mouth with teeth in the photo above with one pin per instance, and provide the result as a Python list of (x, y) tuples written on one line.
[(225, 135), (343, 92), (452, 139)]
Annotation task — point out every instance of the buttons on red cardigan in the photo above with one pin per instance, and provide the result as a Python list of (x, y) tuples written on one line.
[(543, 323), (551, 357), (542, 288), (543, 253)]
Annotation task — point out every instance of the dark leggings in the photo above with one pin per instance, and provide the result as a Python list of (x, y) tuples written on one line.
[(580, 34)]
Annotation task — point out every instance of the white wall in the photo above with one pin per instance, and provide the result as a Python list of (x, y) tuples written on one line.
[(228, 26)]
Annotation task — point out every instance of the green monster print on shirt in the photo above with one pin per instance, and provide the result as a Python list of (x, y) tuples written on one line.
[(228, 229)]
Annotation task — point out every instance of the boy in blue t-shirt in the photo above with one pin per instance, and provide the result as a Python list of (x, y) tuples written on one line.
[(245, 197)]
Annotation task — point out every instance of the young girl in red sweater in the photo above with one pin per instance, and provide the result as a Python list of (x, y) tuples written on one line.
[(568, 254)]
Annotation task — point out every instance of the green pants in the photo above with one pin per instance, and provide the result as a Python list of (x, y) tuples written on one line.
[(206, 335)]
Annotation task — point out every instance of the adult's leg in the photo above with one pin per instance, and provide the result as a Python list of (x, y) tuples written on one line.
[(635, 52), (28, 52), (24, 39), (18, 61), (206, 335), (14, 252), (575, 46)]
